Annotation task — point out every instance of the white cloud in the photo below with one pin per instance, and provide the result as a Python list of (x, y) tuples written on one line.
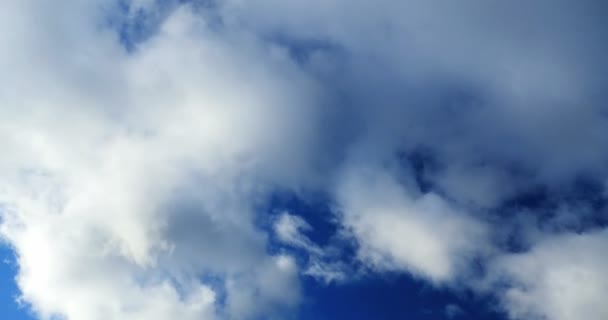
[(397, 229), (322, 265), (289, 229), (269, 290), (129, 178), (561, 278), (327, 271)]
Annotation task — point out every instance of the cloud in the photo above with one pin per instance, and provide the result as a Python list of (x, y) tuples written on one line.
[(322, 264), (453, 311), (561, 278), (399, 230), (438, 74), (139, 139), (128, 178), (289, 229)]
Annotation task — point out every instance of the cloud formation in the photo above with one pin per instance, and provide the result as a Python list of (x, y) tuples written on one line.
[(140, 139), (562, 278)]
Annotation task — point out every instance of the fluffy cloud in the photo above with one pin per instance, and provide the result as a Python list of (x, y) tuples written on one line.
[(562, 278), (140, 137), (398, 230), (129, 178)]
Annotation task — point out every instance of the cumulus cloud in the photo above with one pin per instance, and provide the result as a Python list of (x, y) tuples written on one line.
[(127, 171), (401, 230), (562, 278), (140, 138)]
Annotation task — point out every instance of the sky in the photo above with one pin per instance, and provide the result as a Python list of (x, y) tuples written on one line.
[(268, 159)]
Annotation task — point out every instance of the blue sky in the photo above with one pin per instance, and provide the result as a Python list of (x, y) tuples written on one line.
[(317, 159), (9, 307)]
